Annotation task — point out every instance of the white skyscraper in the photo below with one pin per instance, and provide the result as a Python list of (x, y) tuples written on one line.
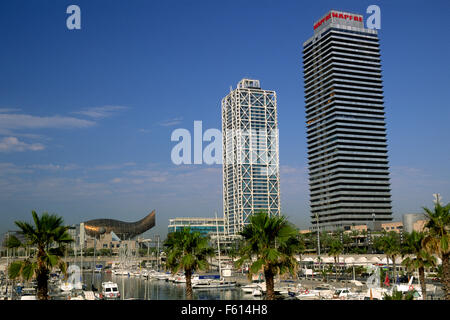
[(251, 178)]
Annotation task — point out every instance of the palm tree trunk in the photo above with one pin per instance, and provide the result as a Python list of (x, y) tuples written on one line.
[(446, 274), (270, 291), (387, 262), (188, 274), (42, 276), (335, 268), (422, 282), (301, 264), (394, 272)]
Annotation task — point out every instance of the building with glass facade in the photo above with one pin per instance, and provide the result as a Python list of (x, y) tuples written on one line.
[(205, 226), (345, 119), (251, 181)]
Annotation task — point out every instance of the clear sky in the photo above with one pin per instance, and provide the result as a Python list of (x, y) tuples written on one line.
[(86, 115)]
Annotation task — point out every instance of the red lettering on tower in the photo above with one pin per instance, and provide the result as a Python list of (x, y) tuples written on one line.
[(337, 15)]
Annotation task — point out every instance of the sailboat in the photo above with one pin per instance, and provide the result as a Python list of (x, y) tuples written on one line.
[(220, 283)]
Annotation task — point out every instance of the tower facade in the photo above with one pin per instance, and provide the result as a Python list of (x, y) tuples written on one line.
[(251, 179), (345, 119)]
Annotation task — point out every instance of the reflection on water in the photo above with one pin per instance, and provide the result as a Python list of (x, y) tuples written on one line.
[(140, 288)]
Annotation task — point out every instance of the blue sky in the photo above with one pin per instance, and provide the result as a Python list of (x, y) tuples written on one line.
[(86, 115)]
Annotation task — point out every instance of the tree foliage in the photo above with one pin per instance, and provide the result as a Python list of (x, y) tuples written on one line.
[(270, 245), (50, 236), (187, 251)]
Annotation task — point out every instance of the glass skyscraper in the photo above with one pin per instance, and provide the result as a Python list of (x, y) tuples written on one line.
[(251, 179), (347, 145)]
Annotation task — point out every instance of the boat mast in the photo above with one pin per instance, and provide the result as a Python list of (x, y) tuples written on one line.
[(218, 245), (7, 263), (81, 248), (157, 254)]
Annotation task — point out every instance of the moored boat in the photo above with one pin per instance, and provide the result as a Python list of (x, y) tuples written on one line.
[(213, 284), (249, 288), (110, 290)]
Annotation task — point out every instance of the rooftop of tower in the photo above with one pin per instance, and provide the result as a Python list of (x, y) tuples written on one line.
[(248, 83), (340, 19)]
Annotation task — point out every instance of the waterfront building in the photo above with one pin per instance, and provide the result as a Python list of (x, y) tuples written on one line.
[(251, 180), (345, 119), (113, 243), (205, 226), (395, 226)]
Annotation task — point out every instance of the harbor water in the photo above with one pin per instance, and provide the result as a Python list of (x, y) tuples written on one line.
[(140, 288)]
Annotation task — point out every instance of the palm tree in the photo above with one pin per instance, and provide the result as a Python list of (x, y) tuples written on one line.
[(419, 259), (324, 272), (347, 241), (389, 243), (325, 240), (301, 249), (273, 241), (50, 236), (336, 248), (437, 239), (188, 251)]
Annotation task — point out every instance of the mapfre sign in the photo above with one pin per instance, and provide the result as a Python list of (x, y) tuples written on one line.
[(338, 15)]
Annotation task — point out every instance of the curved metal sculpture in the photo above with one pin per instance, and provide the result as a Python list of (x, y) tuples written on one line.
[(124, 230)]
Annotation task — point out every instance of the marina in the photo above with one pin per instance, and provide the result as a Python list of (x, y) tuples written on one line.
[(143, 284), (281, 151)]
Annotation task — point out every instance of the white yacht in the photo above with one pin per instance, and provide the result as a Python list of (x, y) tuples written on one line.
[(213, 284), (323, 291), (135, 273), (66, 286), (257, 292), (162, 275), (120, 272), (110, 290), (346, 294), (302, 293), (249, 288), (284, 287), (181, 278)]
